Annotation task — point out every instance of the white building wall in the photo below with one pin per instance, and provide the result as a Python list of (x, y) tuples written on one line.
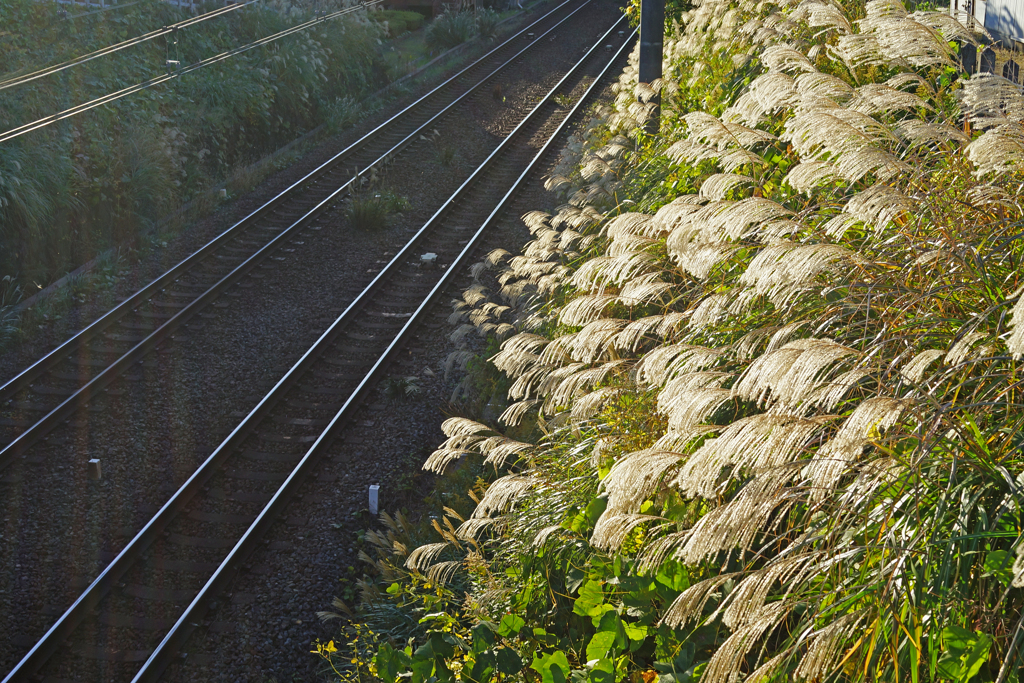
[(1005, 18)]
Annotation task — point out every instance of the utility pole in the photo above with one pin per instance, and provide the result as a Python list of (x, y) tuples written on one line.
[(652, 35)]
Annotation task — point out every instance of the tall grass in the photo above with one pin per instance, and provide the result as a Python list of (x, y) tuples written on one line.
[(450, 29), (765, 419), (72, 190)]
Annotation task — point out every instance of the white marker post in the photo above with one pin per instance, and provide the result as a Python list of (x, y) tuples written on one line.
[(374, 499)]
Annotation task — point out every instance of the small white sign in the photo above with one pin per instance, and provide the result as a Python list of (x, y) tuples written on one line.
[(374, 499)]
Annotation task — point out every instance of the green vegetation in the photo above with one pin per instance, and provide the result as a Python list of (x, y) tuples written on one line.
[(370, 208), (765, 419), (450, 29), (78, 187), (399, 21)]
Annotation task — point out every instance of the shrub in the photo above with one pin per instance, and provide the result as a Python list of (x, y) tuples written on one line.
[(450, 30), (487, 23), (76, 188), (398, 21), (368, 212)]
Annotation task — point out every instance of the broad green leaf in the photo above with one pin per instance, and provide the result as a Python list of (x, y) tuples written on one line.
[(483, 667), (999, 564), (510, 625), (635, 632), (964, 653), (508, 662), (596, 507), (591, 596), (553, 667), (603, 672), (483, 638), (599, 644)]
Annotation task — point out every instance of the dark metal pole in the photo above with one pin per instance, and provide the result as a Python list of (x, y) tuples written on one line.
[(652, 34)]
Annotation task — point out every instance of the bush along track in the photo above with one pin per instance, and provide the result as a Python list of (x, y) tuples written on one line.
[(73, 189), (764, 419)]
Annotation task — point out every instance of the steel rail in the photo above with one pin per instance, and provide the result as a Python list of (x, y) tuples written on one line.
[(85, 393), (90, 598), (75, 342), (179, 633)]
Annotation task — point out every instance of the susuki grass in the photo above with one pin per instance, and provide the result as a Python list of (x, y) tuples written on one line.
[(765, 419)]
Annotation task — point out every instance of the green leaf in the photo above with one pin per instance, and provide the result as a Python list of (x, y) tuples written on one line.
[(635, 632), (508, 662), (553, 668), (600, 644), (603, 672), (611, 623), (964, 653), (596, 507), (999, 564), (483, 637), (510, 625), (483, 667), (591, 597)]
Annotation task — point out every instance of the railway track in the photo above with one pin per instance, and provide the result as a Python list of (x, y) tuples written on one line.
[(64, 381), (133, 619)]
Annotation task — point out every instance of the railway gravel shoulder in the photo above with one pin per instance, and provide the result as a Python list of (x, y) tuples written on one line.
[(247, 345)]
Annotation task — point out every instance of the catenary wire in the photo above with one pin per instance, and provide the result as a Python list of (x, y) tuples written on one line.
[(171, 28), (111, 97)]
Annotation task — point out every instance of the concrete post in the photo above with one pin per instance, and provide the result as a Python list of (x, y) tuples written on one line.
[(652, 35)]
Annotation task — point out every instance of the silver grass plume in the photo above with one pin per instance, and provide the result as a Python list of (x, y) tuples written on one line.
[(758, 443), (822, 14), (518, 353), (717, 185), (859, 50), (833, 459), (816, 85), (515, 413), (503, 493), (827, 647), (727, 662), (699, 259), (612, 530), (596, 340), (963, 349), (805, 176), (585, 309), (562, 387), (767, 94), (785, 58), (879, 205), (998, 151), (781, 270), (992, 195), (689, 605), (919, 133), (876, 98), (664, 362), (828, 394), (660, 326), (425, 555), (787, 375), (1015, 341), (589, 405), (635, 477), (990, 100), (751, 594)]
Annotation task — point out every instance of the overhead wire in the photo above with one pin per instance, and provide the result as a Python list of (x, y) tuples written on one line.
[(111, 97), (137, 40)]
